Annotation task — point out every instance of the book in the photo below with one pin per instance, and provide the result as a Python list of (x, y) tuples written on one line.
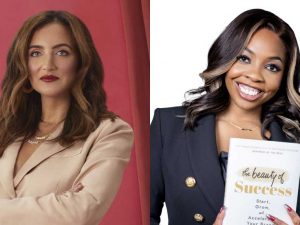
[(261, 177)]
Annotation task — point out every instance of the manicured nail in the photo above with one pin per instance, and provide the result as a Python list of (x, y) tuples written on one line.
[(222, 208), (270, 217), (78, 187), (288, 208)]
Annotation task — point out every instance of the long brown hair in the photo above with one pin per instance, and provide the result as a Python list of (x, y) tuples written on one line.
[(213, 97), (20, 112)]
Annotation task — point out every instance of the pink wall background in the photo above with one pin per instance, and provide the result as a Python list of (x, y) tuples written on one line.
[(108, 22)]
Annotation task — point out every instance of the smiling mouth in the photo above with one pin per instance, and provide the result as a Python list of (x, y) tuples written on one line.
[(248, 93)]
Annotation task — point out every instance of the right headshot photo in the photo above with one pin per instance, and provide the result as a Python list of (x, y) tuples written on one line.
[(225, 112)]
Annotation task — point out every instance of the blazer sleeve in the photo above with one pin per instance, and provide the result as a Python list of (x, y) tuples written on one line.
[(157, 189), (100, 175)]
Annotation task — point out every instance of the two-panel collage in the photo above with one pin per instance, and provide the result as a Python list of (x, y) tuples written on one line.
[(149, 112)]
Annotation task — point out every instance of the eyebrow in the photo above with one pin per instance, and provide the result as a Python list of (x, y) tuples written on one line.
[(55, 46), (271, 58)]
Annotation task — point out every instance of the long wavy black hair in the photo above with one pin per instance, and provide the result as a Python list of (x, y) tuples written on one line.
[(213, 97)]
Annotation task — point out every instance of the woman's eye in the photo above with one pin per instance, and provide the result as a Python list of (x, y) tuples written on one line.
[(62, 53), (35, 53), (273, 68), (243, 59)]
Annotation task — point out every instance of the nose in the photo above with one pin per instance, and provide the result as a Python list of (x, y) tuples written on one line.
[(49, 63), (255, 74)]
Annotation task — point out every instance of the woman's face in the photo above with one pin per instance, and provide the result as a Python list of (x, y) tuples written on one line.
[(256, 75), (52, 61)]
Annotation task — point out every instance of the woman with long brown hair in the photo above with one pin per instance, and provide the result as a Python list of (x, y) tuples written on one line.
[(62, 153)]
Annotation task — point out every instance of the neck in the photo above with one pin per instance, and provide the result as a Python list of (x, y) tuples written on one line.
[(54, 110), (233, 113)]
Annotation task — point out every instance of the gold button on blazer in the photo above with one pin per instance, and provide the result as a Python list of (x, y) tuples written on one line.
[(41, 191)]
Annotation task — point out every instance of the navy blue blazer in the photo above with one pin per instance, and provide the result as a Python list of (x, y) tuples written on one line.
[(177, 154)]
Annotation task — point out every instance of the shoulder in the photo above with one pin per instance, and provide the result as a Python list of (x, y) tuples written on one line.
[(111, 138), (171, 111), (168, 121), (114, 124), (176, 116), (113, 127), (170, 115)]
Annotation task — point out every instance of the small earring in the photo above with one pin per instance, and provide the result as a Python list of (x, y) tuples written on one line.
[(27, 88)]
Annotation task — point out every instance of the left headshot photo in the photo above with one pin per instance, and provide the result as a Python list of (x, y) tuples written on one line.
[(74, 111)]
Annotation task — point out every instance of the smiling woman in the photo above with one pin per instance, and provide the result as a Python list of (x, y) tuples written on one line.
[(250, 91), (251, 81), (62, 153), (257, 74)]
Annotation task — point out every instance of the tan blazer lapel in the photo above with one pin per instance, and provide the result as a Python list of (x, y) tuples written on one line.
[(7, 165), (44, 151)]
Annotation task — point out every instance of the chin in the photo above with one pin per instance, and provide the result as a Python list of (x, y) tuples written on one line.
[(248, 105), (53, 94)]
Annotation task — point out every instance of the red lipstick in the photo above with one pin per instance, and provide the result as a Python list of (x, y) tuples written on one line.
[(49, 78)]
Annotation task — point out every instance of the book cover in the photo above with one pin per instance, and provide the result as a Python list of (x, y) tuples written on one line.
[(262, 176)]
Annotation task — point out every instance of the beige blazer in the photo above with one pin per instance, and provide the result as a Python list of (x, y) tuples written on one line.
[(41, 192)]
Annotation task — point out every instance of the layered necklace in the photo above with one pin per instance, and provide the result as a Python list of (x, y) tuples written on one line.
[(35, 140)]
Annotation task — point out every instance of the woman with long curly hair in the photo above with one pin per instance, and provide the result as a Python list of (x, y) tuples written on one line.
[(62, 153), (251, 90)]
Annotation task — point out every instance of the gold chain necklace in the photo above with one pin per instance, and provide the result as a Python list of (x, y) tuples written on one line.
[(39, 139), (36, 140), (236, 126)]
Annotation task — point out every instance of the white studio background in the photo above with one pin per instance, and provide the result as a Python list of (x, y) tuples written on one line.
[(182, 32)]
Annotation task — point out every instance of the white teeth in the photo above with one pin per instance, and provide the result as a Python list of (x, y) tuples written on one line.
[(248, 90)]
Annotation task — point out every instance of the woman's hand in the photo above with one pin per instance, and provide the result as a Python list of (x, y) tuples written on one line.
[(220, 217), (78, 187), (294, 216)]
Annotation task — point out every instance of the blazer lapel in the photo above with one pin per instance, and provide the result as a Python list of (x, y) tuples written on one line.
[(276, 132), (7, 165), (203, 155), (202, 149), (44, 151)]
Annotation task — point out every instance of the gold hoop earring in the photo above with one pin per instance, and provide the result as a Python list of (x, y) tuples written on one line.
[(27, 88)]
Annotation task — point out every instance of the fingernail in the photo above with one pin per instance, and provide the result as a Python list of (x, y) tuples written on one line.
[(270, 217), (222, 208), (288, 208)]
